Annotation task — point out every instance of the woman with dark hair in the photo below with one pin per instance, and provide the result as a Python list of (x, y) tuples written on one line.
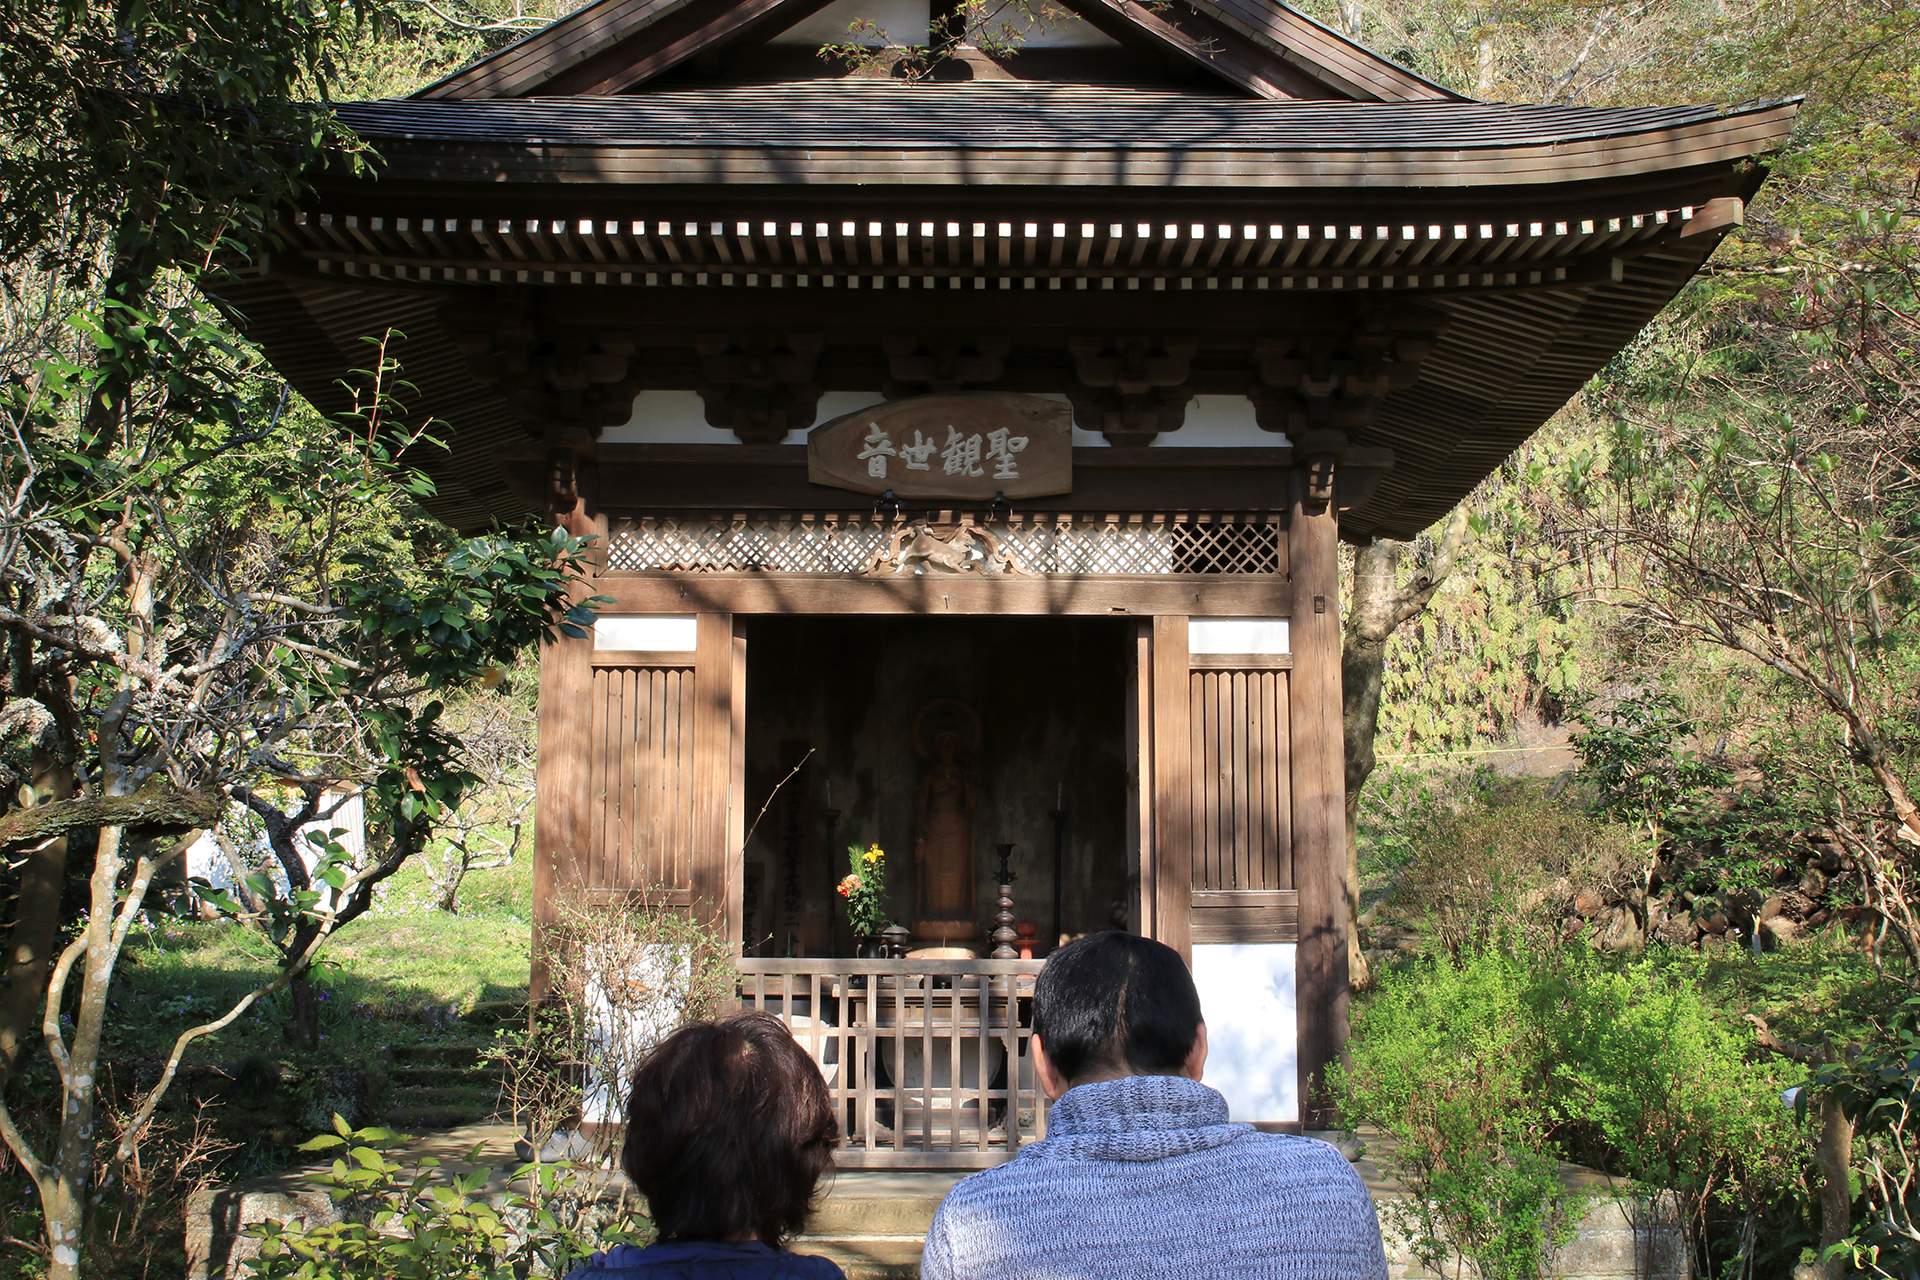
[(729, 1131)]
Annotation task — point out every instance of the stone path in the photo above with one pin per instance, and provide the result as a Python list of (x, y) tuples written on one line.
[(872, 1222)]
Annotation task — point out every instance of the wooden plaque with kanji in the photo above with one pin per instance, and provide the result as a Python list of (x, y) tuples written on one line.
[(973, 445)]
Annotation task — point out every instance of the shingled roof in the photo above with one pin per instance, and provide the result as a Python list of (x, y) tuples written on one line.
[(585, 198)]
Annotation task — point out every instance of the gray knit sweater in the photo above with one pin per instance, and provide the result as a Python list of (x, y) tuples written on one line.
[(1144, 1177)]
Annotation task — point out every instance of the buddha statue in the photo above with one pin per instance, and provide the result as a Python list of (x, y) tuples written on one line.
[(946, 816)]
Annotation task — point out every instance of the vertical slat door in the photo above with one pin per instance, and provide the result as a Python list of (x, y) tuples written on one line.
[(1224, 877), (659, 765), (1220, 748)]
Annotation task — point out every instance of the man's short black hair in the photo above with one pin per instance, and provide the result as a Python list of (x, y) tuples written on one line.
[(1116, 1002)]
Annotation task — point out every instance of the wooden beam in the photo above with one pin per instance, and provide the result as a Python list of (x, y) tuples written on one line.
[(1172, 786), (1139, 712), (1319, 813), (562, 805), (737, 789), (649, 479), (712, 765), (946, 596), (669, 42), (1208, 44)]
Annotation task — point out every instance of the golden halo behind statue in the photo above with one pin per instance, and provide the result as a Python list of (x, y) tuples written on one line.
[(946, 715)]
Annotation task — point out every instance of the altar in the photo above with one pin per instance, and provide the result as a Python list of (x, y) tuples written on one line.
[(926, 1061)]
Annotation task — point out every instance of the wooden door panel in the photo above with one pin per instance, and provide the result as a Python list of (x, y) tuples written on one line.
[(1241, 799), (642, 804), (1222, 794)]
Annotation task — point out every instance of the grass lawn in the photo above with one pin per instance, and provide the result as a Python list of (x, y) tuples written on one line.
[(378, 975)]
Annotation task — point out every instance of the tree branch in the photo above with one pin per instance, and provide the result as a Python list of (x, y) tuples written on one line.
[(151, 806)]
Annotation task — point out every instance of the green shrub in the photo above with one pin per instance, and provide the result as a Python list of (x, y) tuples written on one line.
[(1448, 1061), (1487, 1069), (406, 1221), (1658, 1085), (1503, 861)]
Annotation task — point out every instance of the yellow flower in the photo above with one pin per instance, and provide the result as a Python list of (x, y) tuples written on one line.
[(872, 855)]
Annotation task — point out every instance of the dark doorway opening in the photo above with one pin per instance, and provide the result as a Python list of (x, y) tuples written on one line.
[(843, 720)]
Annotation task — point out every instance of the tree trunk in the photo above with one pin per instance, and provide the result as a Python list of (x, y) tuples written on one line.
[(1362, 666), (303, 1028), (36, 926), (1835, 1154), (1375, 610), (71, 1177)]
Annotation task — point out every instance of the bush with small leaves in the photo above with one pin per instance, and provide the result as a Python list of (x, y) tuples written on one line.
[(411, 1219)]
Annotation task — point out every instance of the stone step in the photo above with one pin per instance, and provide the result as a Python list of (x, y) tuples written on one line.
[(492, 1013), (873, 1223), (415, 1119), (464, 1094), (431, 1074), (868, 1257), (872, 1215), (455, 1055)]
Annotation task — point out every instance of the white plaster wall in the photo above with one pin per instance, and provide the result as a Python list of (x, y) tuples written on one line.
[(1247, 999), (659, 632), (347, 824), (904, 21), (678, 417), (1068, 33), (1237, 635)]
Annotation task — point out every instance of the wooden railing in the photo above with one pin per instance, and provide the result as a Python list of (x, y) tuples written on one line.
[(926, 1060)]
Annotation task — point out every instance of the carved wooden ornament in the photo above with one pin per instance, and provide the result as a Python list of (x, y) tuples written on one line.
[(972, 445)]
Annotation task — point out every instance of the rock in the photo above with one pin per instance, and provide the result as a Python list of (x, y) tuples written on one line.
[(1678, 931), (216, 1249), (1588, 904), (1622, 932)]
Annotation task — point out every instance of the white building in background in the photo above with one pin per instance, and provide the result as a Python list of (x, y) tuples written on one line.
[(208, 860)]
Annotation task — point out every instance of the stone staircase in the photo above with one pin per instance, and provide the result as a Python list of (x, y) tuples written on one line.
[(446, 1083), (873, 1222)]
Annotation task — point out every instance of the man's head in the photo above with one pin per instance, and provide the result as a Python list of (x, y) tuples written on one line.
[(1112, 1005)]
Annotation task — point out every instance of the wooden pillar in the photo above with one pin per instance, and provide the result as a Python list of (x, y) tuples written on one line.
[(714, 851), (1172, 787), (1319, 815), (561, 800), (736, 839)]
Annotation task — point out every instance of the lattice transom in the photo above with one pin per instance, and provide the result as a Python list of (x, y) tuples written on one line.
[(1030, 546)]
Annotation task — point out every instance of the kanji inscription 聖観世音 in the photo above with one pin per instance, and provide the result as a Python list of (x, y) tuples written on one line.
[(969, 445)]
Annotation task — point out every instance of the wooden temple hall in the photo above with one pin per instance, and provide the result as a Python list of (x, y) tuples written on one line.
[(968, 459)]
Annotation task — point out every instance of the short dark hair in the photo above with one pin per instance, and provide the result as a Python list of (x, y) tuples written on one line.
[(1115, 1001), (729, 1131)]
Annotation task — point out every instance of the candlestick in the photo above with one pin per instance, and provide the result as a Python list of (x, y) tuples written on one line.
[(830, 817), (1004, 936), (1059, 817)]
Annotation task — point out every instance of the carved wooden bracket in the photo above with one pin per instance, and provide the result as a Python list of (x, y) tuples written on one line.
[(554, 375), (1131, 388), (1128, 418), (1132, 365), (1322, 451), (760, 388), (1336, 381), (941, 367)]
